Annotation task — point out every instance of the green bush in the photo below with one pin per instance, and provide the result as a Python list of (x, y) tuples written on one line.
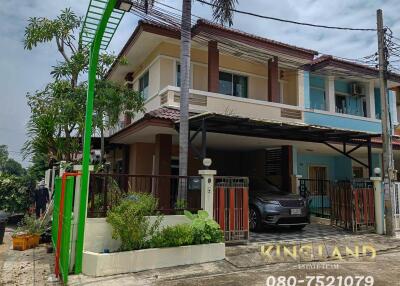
[(14, 195), (130, 223), (204, 228), (170, 236)]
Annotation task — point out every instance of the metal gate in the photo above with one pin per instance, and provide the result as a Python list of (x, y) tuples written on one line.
[(352, 206), (231, 207)]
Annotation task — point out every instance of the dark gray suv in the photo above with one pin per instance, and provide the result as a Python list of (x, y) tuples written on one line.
[(269, 206)]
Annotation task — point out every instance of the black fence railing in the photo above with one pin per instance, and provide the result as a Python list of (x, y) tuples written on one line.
[(317, 193), (107, 190)]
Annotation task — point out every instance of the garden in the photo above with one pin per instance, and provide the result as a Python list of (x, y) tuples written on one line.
[(141, 238)]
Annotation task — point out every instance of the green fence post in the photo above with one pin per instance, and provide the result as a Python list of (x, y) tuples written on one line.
[(93, 62), (56, 210)]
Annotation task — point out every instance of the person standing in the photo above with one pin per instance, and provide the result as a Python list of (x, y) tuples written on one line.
[(41, 199)]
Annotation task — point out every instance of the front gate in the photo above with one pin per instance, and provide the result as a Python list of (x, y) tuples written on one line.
[(231, 207), (352, 206)]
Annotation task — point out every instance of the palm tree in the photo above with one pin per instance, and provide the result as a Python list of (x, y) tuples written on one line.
[(223, 13)]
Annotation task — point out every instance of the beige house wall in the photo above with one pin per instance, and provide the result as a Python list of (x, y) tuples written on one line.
[(141, 159), (161, 64)]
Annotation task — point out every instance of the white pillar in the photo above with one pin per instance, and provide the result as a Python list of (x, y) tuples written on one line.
[(330, 94), (370, 99), (379, 207), (300, 88), (207, 190)]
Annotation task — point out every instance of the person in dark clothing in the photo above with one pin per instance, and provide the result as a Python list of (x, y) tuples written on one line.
[(41, 199)]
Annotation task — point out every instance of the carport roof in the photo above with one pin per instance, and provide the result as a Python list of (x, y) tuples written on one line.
[(243, 126)]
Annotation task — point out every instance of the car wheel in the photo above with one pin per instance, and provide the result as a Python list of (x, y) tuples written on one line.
[(254, 219), (297, 227)]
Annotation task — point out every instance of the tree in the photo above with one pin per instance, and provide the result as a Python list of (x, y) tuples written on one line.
[(222, 12), (8, 165), (57, 112), (12, 167), (3, 155)]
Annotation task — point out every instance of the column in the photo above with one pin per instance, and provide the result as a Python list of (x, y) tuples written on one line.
[(213, 66), (273, 80), (379, 205), (300, 88), (287, 168), (207, 190), (370, 99), (330, 94), (162, 166)]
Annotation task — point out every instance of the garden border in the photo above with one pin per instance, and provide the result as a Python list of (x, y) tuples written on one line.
[(103, 264)]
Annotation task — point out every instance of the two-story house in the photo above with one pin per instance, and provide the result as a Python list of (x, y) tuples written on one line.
[(258, 107)]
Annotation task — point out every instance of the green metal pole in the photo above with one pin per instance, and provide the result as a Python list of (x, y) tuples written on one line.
[(94, 58)]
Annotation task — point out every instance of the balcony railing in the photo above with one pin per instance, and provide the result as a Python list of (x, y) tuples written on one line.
[(226, 104)]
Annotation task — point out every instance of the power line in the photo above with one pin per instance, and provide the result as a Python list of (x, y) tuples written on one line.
[(290, 21), (173, 19)]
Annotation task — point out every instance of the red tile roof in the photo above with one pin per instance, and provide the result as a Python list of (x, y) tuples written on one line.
[(203, 22), (164, 113)]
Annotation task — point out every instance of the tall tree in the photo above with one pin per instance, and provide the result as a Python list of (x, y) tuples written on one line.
[(222, 12), (57, 112)]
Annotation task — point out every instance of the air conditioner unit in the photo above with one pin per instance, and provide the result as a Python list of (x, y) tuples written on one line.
[(357, 89)]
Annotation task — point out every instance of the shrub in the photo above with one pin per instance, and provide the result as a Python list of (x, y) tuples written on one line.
[(204, 228), (170, 236), (14, 195), (130, 223)]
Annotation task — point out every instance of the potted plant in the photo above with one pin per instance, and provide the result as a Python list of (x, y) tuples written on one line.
[(27, 234)]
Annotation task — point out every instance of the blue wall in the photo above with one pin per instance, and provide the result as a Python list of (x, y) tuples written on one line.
[(338, 167), (317, 92), (304, 161), (338, 121)]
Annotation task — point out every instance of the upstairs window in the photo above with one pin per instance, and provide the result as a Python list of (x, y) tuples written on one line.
[(144, 85), (178, 75), (232, 84)]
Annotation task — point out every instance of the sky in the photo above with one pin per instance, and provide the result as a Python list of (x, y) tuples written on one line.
[(23, 71)]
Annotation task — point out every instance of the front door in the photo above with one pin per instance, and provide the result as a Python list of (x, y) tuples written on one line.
[(317, 173)]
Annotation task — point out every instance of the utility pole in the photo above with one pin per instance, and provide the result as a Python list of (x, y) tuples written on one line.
[(388, 164)]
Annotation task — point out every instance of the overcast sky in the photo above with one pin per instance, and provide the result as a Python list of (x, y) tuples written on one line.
[(24, 71)]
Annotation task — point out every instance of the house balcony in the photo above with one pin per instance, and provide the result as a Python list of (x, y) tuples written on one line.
[(204, 101)]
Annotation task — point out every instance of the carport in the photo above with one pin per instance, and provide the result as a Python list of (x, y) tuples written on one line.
[(207, 126), (204, 123)]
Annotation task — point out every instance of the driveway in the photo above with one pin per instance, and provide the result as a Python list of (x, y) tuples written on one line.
[(310, 233)]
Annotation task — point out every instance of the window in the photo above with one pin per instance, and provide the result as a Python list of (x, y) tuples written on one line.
[(232, 84), (340, 103), (144, 85), (178, 75), (358, 172)]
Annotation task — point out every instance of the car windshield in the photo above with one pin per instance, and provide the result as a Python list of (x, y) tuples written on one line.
[(259, 184)]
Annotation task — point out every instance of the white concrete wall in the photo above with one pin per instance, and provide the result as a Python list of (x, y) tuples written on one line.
[(103, 264), (98, 232)]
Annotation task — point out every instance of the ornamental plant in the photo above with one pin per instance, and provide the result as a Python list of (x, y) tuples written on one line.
[(130, 222), (30, 225), (170, 236), (204, 228)]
